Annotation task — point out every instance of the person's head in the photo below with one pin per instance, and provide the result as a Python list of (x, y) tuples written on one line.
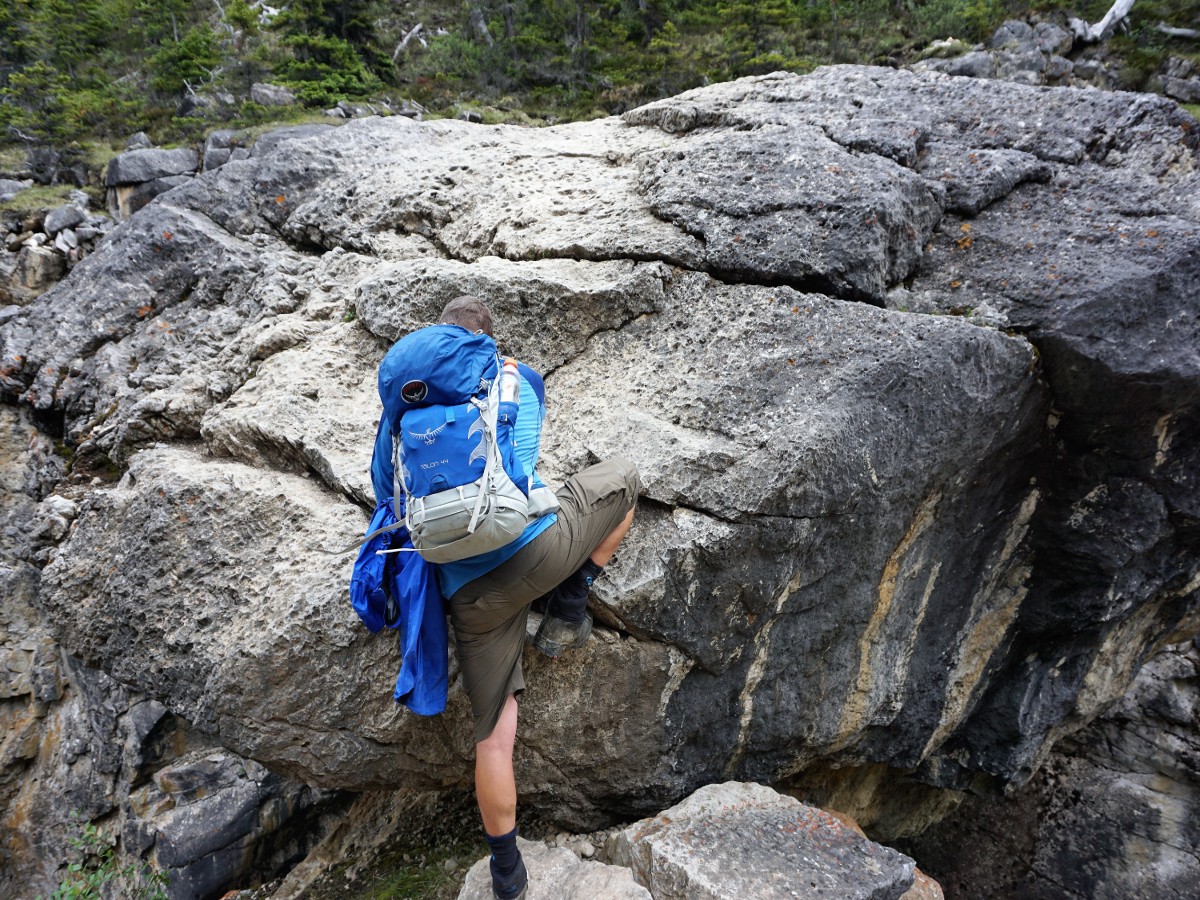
[(469, 312)]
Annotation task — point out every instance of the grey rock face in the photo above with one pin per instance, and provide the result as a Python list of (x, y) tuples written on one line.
[(76, 743), (558, 874), (1051, 38), (744, 840), (867, 535), (125, 200), (1110, 815)]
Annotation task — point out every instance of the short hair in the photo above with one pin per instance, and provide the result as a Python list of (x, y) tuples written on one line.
[(469, 312)]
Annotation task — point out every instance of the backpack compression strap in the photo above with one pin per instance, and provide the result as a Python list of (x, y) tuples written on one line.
[(357, 544)]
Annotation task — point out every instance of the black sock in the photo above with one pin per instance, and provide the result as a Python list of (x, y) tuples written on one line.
[(505, 854), (569, 600)]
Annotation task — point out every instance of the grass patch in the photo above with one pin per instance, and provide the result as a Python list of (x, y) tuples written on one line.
[(1192, 109), (37, 198), (406, 874), (12, 158)]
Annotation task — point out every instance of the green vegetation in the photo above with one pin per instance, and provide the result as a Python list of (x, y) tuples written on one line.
[(408, 871), (97, 874), (38, 197), (95, 71)]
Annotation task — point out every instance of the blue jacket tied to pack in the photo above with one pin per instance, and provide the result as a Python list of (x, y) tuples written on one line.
[(400, 590)]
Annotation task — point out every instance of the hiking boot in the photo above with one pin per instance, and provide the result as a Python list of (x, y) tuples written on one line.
[(513, 887), (554, 635)]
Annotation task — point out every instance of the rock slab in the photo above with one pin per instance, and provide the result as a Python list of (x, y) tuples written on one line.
[(738, 840)]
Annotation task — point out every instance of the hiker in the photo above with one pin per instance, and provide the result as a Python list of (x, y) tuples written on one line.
[(488, 596)]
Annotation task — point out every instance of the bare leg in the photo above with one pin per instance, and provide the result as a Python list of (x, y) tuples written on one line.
[(607, 547), (495, 785)]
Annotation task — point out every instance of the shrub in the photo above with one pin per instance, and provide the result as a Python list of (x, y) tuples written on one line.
[(92, 876)]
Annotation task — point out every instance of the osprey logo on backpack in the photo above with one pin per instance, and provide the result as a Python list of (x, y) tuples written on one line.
[(464, 489), (414, 391), (429, 437)]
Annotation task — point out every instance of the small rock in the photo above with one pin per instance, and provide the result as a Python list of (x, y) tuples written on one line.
[(139, 141), (66, 241), (1012, 34), (9, 188), (39, 267), (586, 849), (271, 95), (64, 217)]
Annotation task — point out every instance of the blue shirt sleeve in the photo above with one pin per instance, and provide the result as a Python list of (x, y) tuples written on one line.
[(531, 415), (535, 383)]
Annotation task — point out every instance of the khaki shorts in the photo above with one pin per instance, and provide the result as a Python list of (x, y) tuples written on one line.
[(489, 613)]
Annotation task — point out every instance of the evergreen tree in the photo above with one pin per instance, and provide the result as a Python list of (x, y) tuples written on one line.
[(313, 26), (32, 106), (18, 44), (71, 32), (756, 34), (187, 63)]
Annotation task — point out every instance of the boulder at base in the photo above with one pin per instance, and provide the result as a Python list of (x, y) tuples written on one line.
[(556, 873), (738, 840)]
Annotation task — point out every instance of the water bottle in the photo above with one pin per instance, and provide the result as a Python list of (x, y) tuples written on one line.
[(510, 382), (506, 414)]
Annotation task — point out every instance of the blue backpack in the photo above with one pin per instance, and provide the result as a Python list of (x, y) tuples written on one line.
[(464, 490)]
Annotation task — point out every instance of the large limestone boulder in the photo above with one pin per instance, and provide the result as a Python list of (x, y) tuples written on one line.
[(911, 384)]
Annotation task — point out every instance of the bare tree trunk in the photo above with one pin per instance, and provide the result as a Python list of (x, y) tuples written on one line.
[(1103, 29), (403, 45), (1178, 32)]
